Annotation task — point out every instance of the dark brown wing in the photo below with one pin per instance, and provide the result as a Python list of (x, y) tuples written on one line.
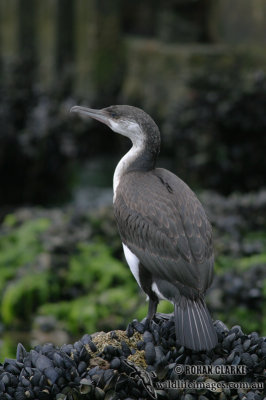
[(164, 225)]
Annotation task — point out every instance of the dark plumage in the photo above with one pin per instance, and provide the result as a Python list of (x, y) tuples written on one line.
[(161, 221)]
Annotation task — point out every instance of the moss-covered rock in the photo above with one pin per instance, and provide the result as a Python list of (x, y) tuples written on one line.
[(107, 293), (21, 289), (22, 296)]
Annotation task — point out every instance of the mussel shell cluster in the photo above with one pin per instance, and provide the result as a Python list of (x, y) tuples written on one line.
[(130, 369)]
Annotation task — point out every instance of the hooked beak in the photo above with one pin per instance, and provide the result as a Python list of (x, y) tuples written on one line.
[(99, 115)]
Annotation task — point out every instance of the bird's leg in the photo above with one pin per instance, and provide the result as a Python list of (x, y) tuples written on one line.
[(153, 303)]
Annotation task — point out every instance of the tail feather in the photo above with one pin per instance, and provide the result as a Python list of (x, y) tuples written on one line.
[(193, 324)]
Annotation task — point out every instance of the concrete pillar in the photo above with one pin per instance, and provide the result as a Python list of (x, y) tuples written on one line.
[(8, 28), (46, 42), (238, 21)]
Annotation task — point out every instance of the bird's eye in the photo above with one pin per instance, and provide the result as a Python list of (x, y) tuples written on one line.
[(114, 114)]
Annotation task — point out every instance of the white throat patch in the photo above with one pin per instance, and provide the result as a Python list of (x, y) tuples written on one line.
[(133, 131), (127, 128)]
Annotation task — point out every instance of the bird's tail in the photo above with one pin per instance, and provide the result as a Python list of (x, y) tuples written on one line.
[(193, 325)]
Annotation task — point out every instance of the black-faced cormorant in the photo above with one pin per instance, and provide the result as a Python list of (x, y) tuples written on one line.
[(166, 236)]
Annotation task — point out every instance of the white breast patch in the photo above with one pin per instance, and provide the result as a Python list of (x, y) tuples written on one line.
[(133, 262), (157, 291)]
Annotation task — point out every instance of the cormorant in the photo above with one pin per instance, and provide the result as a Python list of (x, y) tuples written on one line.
[(165, 233)]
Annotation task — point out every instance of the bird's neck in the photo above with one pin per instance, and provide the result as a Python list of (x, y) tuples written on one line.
[(141, 157)]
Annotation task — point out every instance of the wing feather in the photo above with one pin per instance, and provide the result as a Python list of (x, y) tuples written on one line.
[(163, 223)]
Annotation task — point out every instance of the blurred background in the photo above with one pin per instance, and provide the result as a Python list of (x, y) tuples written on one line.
[(198, 68)]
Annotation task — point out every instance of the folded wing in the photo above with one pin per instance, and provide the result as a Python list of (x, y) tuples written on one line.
[(164, 225)]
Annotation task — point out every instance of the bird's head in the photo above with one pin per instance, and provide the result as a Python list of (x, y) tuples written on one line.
[(128, 121)]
